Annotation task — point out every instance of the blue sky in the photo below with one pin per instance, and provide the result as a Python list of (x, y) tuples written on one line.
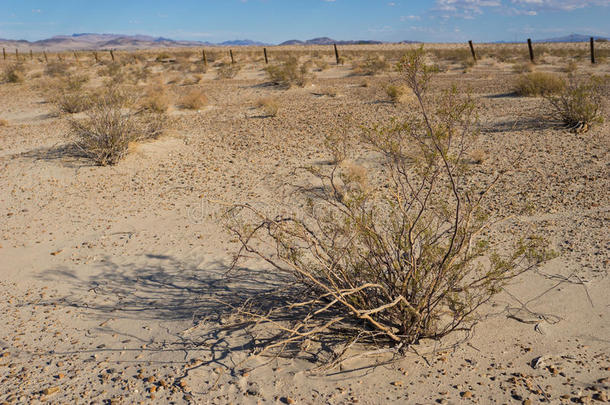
[(278, 20)]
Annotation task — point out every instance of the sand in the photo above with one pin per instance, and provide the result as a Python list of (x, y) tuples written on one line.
[(110, 277)]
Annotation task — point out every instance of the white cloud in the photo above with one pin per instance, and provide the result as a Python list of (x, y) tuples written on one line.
[(472, 8)]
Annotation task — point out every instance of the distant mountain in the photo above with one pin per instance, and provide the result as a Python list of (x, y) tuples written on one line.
[(329, 41), (573, 38), (242, 42), (89, 41)]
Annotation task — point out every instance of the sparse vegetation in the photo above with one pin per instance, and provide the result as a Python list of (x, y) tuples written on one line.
[(111, 126), (13, 73), (372, 66), (269, 105), (3, 123), (392, 251), (156, 99), (523, 67), (289, 73), (539, 84), (194, 99), (395, 92), (68, 94), (580, 103), (228, 70)]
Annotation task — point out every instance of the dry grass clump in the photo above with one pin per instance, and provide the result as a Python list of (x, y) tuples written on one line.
[(392, 252), (194, 99), (580, 103), (371, 66), (289, 73), (395, 93), (3, 123), (570, 67), (110, 126), (523, 67), (478, 156), (269, 105), (156, 99), (192, 80), (13, 73), (68, 94), (228, 70), (57, 69), (539, 84)]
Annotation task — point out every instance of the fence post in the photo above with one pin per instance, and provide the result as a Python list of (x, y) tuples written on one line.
[(231, 52), (336, 53), (4, 53), (45, 56), (205, 58), (17, 54), (112, 55), (529, 45), (592, 50), (95, 57), (474, 55), (266, 59), (31, 55), (75, 56)]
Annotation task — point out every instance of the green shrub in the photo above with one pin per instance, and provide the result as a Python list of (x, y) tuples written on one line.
[(289, 73), (580, 104), (390, 250), (539, 84)]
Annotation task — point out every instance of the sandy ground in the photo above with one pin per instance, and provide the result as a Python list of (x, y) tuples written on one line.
[(111, 277)]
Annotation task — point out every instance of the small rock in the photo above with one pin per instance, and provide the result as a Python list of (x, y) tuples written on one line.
[(50, 390), (466, 394)]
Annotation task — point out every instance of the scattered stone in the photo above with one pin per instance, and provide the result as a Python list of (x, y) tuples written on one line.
[(466, 394), (50, 390)]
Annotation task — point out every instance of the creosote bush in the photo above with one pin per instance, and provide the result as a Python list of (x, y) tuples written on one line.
[(289, 73), (371, 66), (539, 84), (392, 250), (580, 103), (111, 125)]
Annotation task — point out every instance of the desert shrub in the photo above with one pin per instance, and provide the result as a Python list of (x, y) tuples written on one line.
[(67, 94), (394, 92), (162, 56), (228, 70), (390, 250), (194, 99), (570, 67), (580, 103), (111, 69), (14, 73), (288, 73), (372, 66), (110, 126), (155, 99), (523, 67), (269, 105), (3, 123), (191, 80), (539, 84), (57, 69)]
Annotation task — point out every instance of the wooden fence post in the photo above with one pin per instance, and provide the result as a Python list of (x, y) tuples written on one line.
[(112, 55), (592, 42), (205, 58), (4, 53), (75, 56), (45, 56), (17, 54), (266, 59), (336, 53), (529, 45), (95, 57), (231, 52), (31, 55), (474, 55)]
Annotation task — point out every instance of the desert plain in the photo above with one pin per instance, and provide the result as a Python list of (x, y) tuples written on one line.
[(113, 284)]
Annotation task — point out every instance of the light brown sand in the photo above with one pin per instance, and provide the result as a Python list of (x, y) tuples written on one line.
[(108, 274)]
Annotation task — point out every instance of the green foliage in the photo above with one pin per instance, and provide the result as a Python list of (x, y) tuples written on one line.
[(289, 73), (580, 103), (394, 246)]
